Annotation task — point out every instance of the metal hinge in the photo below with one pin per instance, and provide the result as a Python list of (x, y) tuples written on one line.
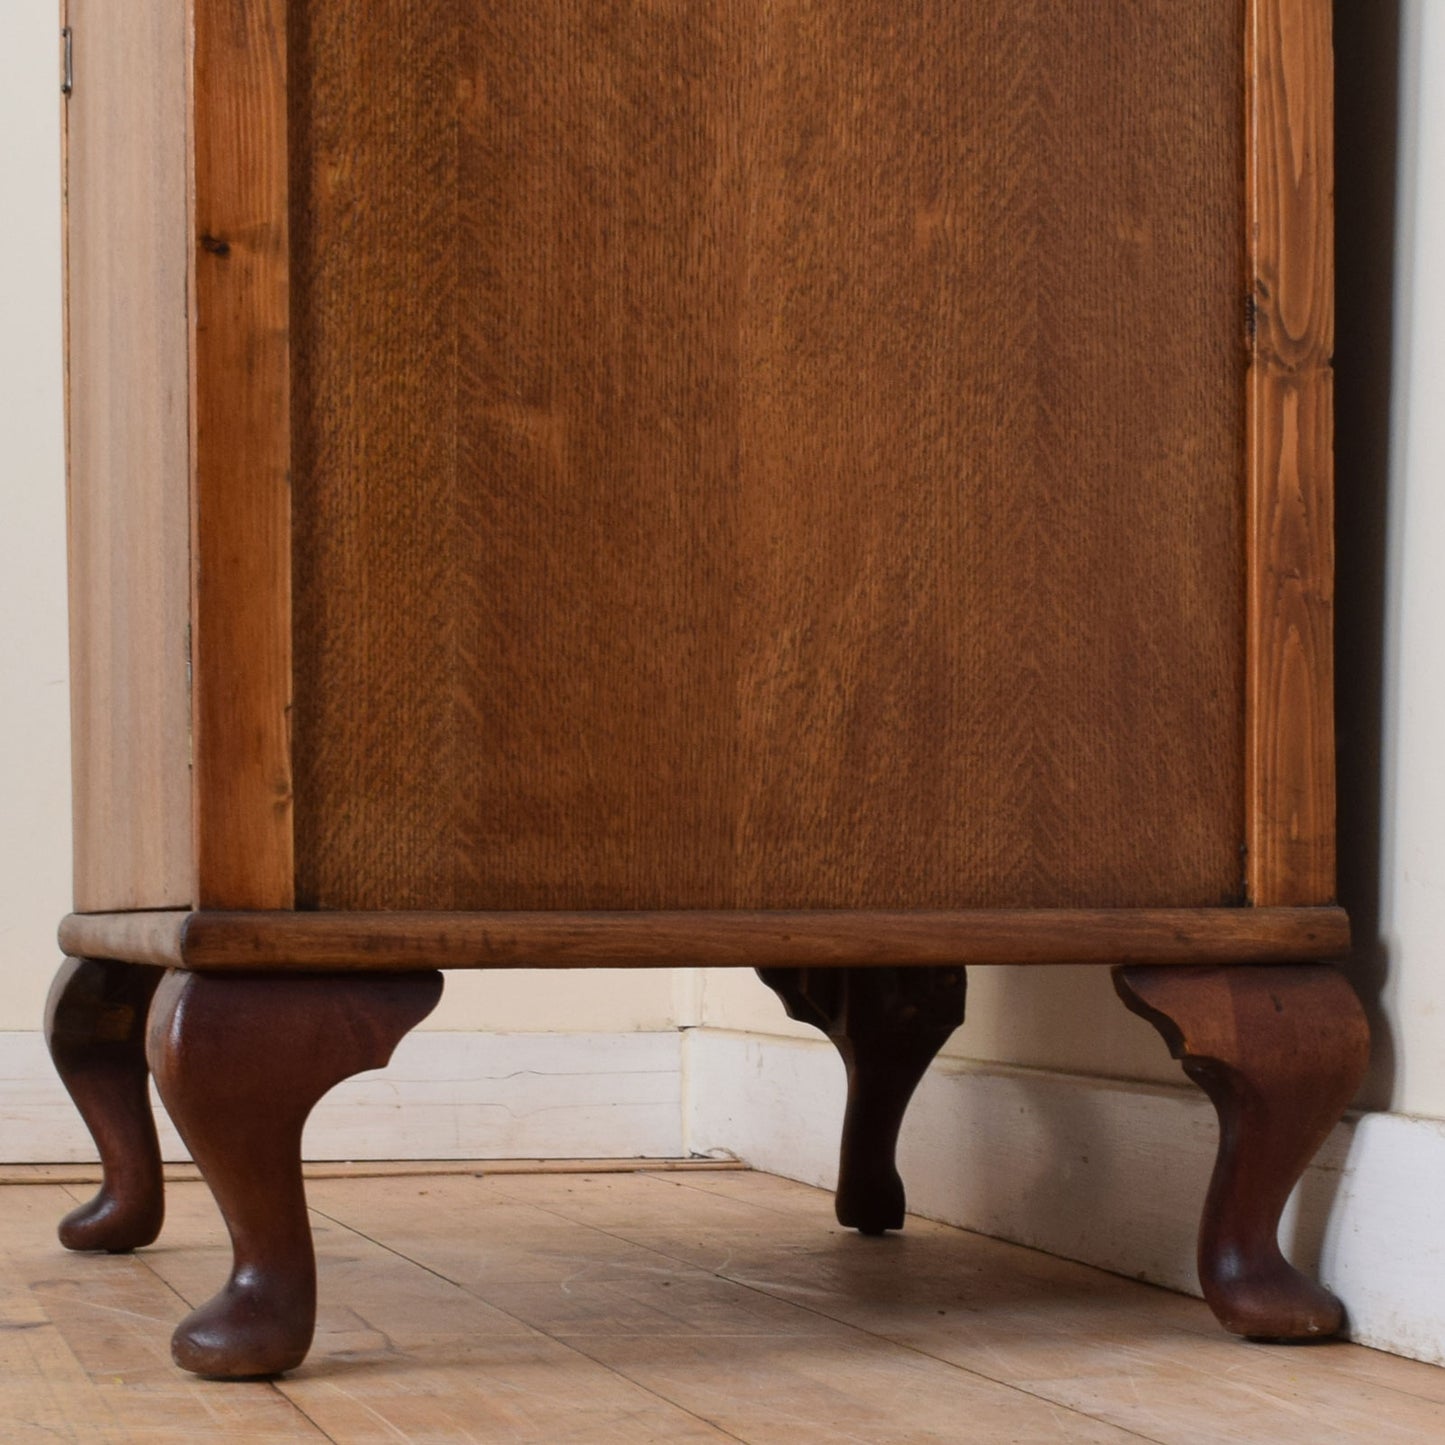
[(67, 60)]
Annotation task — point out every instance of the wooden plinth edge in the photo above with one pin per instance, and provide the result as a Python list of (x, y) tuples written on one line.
[(224, 941)]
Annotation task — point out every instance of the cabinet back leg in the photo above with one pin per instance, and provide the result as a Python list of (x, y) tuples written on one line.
[(1280, 1051), (240, 1061), (95, 1025), (888, 1024)]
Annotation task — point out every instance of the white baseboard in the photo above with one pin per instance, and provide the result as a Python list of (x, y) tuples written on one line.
[(443, 1096), (1109, 1173)]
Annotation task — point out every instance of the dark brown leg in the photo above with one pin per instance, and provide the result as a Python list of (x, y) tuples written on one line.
[(95, 1021), (1280, 1052), (240, 1062), (888, 1024)]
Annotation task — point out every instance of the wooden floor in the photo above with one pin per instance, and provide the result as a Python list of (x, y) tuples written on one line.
[(633, 1307)]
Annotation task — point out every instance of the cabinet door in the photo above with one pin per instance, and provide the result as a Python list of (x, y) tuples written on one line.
[(772, 456)]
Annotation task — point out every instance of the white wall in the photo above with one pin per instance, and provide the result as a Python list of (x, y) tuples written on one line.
[(1412, 754), (34, 717)]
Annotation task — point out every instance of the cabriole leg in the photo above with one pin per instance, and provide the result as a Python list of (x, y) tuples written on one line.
[(888, 1024), (1280, 1052), (240, 1062), (95, 1022)]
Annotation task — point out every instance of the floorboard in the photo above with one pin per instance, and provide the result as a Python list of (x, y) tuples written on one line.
[(668, 1305)]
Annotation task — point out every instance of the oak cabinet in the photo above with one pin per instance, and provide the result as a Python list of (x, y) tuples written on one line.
[(837, 489)]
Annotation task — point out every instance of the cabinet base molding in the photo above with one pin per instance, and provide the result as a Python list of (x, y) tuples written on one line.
[(213, 941)]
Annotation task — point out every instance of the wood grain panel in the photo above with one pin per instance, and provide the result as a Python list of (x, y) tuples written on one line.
[(994, 251), (399, 939), (127, 347), (374, 118), (241, 457), (1290, 745), (768, 455), (599, 371)]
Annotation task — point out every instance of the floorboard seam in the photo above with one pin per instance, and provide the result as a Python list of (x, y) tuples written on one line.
[(740, 1284), (860, 1329), (526, 1324)]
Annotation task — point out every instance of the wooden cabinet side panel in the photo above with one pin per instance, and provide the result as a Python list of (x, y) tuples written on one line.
[(128, 453)]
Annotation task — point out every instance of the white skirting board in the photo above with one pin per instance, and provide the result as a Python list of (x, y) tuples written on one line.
[(1112, 1174), (443, 1096)]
